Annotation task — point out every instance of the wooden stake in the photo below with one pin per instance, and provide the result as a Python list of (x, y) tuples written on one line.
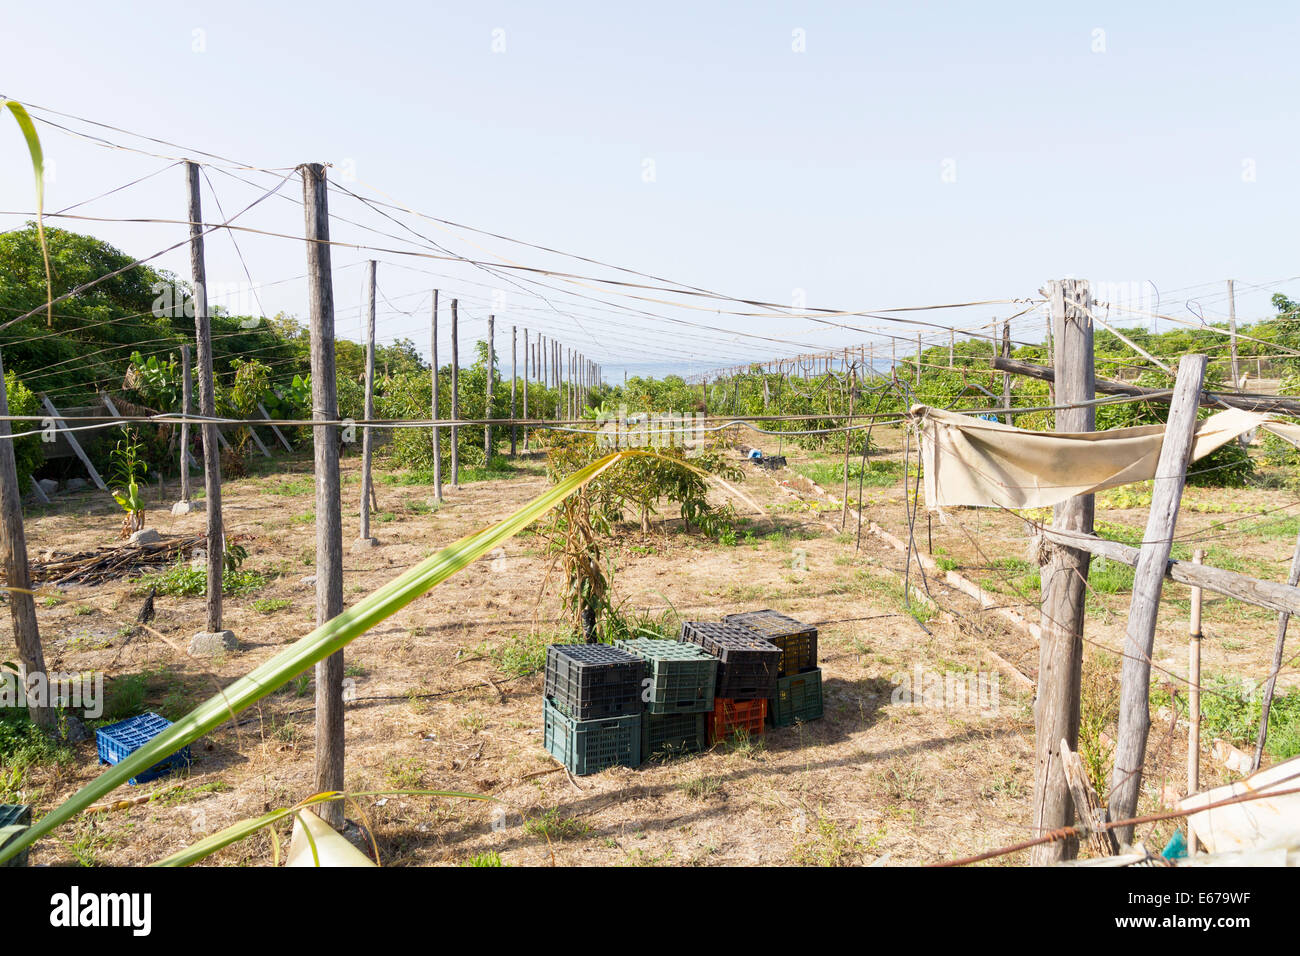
[(1087, 808), (72, 442), (1194, 697), (1148, 579), (1064, 577), (13, 544), (455, 398), (1006, 376), (433, 381), (278, 434), (187, 403), (216, 540), (367, 449), (526, 357), (514, 381), (1278, 648), (487, 401), (1232, 335), (329, 518)]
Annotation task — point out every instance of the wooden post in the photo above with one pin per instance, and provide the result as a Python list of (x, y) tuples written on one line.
[(1271, 683), (13, 542), (1064, 577), (1148, 579), (848, 436), (1232, 335), (187, 404), (72, 441), (1194, 696), (1087, 808), (526, 357), (918, 360), (329, 519), (952, 347), (433, 381), (514, 382), (216, 540), (455, 397), (278, 434), (1006, 376), (487, 398), (367, 449)]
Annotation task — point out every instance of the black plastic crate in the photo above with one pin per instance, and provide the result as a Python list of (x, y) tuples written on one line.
[(14, 815), (669, 734), (798, 641), (797, 698), (593, 681), (590, 746), (747, 664), (682, 675)]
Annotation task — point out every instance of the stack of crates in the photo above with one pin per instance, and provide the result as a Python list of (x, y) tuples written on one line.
[(682, 678), (14, 815), (592, 711), (798, 693), (747, 675)]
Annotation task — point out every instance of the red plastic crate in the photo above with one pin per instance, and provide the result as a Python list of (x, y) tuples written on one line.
[(730, 716)]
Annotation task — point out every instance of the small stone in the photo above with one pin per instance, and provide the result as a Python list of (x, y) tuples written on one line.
[(182, 508), (207, 643), (48, 485), (76, 484), (76, 730), (306, 583), (365, 544), (144, 536)]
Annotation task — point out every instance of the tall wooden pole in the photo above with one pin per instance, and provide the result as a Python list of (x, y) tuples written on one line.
[(1006, 378), (1148, 580), (1232, 335), (1064, 577), (433, 382), (514, 383), (187, 406), (1194, 696), (329, 518), (455, 396), (13, 543), (367, 449), (488, 391), (216, 542), (526, 363)]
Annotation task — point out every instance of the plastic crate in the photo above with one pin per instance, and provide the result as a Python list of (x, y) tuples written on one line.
[(798, 642), (682, 676), (118, 741), (797, 698), (14, 815), (672, 734), (594, 681), (747, 664), (590, 746), (731, 716)]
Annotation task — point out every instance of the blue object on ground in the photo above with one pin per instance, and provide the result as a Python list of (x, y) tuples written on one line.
[(118, 741), (1176, 848), (755, 454)]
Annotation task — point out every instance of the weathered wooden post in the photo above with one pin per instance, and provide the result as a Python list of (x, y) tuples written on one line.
[(526, 364), (216, 542), (1148, 580), (1194, 696), (1064, 577), (1232, 335), (1006, 378), (187, 404), (455, 397), (433, 382), (1270, 685), (329, 519), (514, 383), (13, 542), (487, 399), (367, 436)]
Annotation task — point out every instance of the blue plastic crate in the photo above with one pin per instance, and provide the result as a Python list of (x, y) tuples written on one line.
[(118, 741)]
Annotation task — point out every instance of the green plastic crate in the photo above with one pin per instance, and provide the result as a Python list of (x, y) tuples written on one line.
[(672, 734), (798, 698), (14, 815), (590, 746), (682, 676)]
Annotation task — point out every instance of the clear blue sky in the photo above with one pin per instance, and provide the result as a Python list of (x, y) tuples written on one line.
[(775, 170)]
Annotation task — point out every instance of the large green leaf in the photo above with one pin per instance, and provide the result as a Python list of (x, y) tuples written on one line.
[(331, 636), (28, 128)]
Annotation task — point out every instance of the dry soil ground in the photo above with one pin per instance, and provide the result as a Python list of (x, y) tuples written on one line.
[(446, 695)]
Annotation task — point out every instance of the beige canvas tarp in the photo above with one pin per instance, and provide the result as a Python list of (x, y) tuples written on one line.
[(973, 462)]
